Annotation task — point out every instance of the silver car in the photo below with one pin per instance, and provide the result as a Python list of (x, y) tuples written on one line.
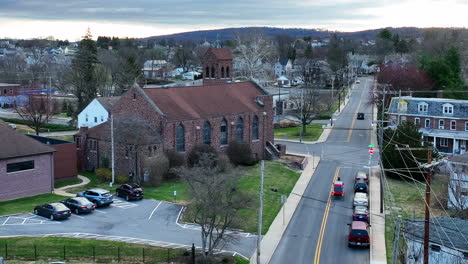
[(360, 199)]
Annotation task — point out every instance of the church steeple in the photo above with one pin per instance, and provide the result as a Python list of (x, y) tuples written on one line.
[(217, 65)]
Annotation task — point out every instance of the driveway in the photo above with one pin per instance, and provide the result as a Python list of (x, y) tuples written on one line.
[(145, 222)]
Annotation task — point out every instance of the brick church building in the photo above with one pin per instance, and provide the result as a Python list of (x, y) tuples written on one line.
[(215, 113)]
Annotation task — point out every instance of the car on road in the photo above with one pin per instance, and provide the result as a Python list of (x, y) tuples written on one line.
[(361, 213), (99, 197), (130, 191), (54, 211), (360, 198), (338, 188), (358, 81), (360, 186), (358, 234), (360, 175), (79, 205), (360, 116)]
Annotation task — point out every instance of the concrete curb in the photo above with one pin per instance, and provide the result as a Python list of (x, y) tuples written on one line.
[(272, 238), (62, 190)]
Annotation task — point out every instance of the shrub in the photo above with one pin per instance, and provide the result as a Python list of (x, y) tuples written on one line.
[(121, 178), (239, 153), (104, 174), (196, 152), (157, 167), (175, 158), (105, 162), (323, 117)]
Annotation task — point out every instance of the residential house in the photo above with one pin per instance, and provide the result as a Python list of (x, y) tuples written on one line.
[(448, 242), (283, 82), (152, 69), (26, 165), (215, 113), (97, 112), (444, 122), (65, 162), (11, 94), (458, 182), (283, 67)]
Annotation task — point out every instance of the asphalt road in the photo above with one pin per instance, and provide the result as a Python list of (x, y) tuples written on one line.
[(318, 230), (147, 222), (9, 113)]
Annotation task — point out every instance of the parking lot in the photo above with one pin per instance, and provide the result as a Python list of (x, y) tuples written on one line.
[(147, 222)]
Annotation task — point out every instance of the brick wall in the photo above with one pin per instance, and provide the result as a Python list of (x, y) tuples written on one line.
[(434, 122), (65, 161), (29, 182)]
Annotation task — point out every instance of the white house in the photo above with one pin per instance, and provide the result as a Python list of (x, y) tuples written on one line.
[(190, 75), (284, 82), (447, 240), (458, 182), (283, 67), (97, 112)]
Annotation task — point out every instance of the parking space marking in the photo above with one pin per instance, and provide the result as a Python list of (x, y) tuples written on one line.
[(79, 216), (6, 220), (154, 210), (26, 219), (123, 204), (99, 211)]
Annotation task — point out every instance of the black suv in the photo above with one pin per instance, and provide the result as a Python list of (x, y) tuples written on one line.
[(360, 116), (130, 191)]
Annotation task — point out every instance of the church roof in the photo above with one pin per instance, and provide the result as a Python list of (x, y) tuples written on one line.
[(108, 102), (221, 53), (193, 102)]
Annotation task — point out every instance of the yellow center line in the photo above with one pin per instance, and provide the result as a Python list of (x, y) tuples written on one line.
[(354, 117), (318, 248)]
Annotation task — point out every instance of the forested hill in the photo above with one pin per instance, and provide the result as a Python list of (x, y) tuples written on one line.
[(229, 33)]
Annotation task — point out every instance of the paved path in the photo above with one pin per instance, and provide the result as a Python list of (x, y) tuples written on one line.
[(59, 133), (62, 190)]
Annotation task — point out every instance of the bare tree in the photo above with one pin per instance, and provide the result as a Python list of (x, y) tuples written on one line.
[(307, 104), (215, 199), (35, 112), (458, 188)]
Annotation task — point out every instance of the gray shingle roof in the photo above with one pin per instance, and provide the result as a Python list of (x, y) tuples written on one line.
[(445, 231), (14, 144), (460, 107), (108, 102), (283, 61)]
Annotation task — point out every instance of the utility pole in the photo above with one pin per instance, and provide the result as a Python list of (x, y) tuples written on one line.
[(302, 107), (112, 148), (260, 213), (395, 241), (428, 200)]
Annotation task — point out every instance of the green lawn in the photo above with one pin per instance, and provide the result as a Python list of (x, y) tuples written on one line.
[(26, 205), (313, 132), (278, 176), (66, 138), (60, 184), (89, 250)]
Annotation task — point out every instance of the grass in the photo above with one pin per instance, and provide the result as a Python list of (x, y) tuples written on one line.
[(60, 184), (66, 138), (45, 128), (409, 203), (27, 204), (313, 132), (63, 115), (277, 175), (53, 248)]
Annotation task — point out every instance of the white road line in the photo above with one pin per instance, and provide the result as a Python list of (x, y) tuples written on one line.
[(178, 216), (154, 210), (99, 211), (6, 221), (24, 220), (78, 216)]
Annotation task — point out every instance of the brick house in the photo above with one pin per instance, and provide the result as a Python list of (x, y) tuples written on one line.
[(444, 122), (215, 113), (26, 165)]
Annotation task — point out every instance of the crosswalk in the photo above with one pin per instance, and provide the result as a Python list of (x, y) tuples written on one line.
[(123, 204)]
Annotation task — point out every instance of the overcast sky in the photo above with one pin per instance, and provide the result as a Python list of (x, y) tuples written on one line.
[(68, 19)]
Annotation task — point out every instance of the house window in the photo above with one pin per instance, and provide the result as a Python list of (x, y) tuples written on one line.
[(227, 72), (102, 118), (224, 132), (86, 117), (222, 72), (212, 72), (403, 119), (443, 142), (4, 91), (427, 123), (77, 142), (180, 139), (207, 72), (207, 133), (422, 107), (417, 121), (441, 124), (149, 151), (447, 109), (465, 255), (435, 248), (402, 106), (453, 125), (255, 128), (466, 126), (95, 119), (240, 129), (134, 96), (20, 166)]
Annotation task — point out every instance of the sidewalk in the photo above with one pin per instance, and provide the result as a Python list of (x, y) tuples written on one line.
[(272, 238), (378, 253), (62, 190)]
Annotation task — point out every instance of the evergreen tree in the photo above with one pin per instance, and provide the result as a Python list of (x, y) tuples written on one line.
[(309, 52), (130, 73)]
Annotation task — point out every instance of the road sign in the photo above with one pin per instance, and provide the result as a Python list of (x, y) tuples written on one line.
[(371, 146), (371, 150)]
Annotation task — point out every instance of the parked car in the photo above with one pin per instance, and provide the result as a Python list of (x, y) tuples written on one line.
[(358, 234), (79, 205), (360, 116), (338, 188), (130, 191), (99, 197), (361, 213), (361, 176), (360, 198), (54, 211), (360, 186)]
